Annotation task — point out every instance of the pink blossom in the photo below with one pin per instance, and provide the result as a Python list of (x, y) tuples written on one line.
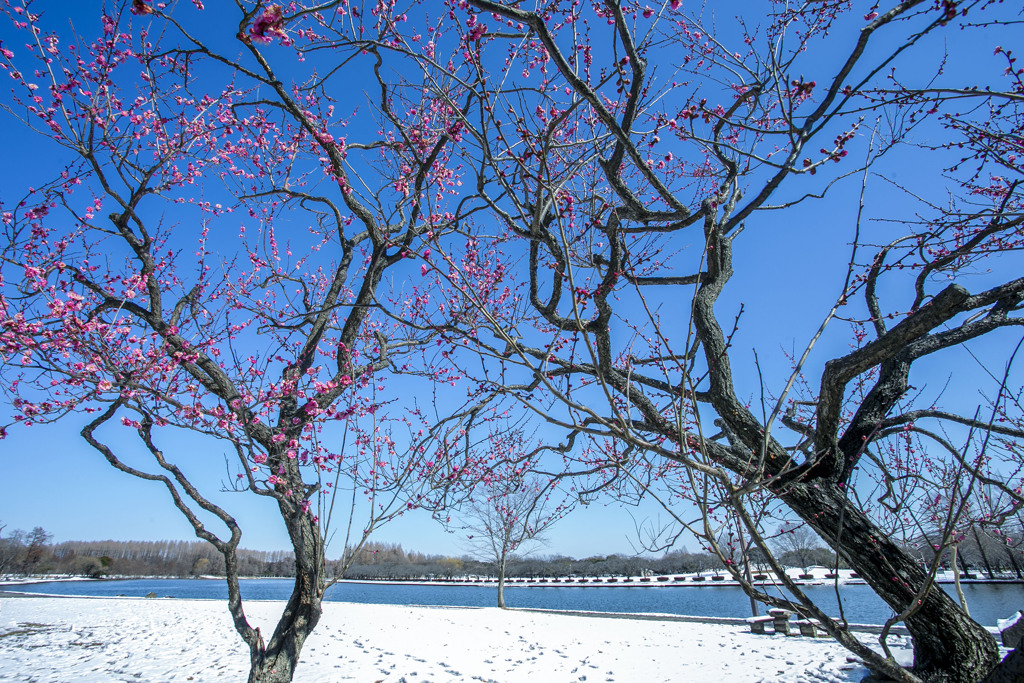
[(271, 21)]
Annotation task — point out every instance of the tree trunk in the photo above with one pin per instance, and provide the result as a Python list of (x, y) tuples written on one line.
[(1010, 670), (276, 662), (501, 582), (1013, 561), (958, 557), (746, 565), (956, 579), (949, 647), (279, 669), (984, 555)]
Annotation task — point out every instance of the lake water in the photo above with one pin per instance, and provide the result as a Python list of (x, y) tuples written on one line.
[(987, 602)]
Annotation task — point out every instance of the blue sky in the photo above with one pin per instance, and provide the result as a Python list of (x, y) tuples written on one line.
[(54, 480)]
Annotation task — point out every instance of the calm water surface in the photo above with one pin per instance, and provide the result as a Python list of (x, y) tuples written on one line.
[(987, 602)]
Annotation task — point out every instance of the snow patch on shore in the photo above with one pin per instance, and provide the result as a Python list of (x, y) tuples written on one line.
[(132, 639)]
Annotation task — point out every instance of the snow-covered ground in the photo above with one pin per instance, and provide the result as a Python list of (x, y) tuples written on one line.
[(134, 639)]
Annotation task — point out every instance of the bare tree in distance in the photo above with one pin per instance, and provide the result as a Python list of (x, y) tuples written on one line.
[(36, 542), (11, 548), (511, 506), (799, 544)]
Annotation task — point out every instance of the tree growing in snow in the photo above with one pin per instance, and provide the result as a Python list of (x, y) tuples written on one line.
[(512, 505), (658, 174), (219, 248)]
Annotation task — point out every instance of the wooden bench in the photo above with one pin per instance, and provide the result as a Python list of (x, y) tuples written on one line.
[(757, 624)]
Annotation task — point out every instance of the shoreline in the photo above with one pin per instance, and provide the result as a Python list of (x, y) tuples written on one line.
[(687, 581), (589, 614)]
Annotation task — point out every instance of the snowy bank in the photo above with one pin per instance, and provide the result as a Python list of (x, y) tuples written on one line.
[(131, 639)]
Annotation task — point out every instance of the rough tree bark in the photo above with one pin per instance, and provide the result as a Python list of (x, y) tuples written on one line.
[(275, 661), (949, 646)]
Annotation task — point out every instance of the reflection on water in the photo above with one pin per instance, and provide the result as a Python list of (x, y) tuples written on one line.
[(987, 602)]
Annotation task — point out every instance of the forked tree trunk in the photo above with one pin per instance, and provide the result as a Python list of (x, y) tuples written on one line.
[(276, 660), (949, 646)]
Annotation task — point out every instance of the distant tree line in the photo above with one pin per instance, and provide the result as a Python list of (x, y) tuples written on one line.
[(32, 553), (162, 558), (21, 552), (673, 562)]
